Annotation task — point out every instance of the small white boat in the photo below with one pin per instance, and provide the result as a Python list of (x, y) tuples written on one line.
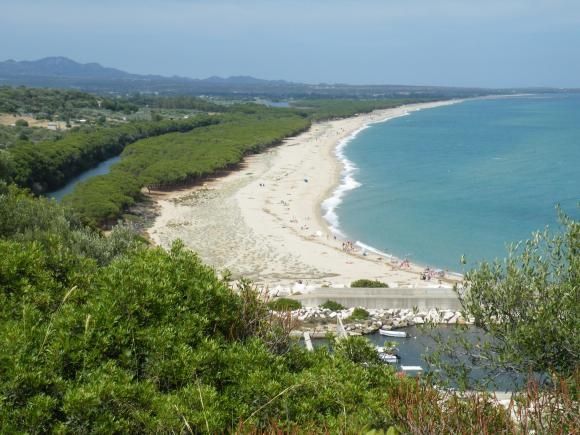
[(387, 355), (412, 368), (399, 334), (387, 358)]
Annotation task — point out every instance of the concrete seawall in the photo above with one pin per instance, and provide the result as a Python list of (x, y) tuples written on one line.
[(374, 298)]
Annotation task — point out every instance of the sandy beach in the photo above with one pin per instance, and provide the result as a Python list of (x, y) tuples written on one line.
[(264, 222)]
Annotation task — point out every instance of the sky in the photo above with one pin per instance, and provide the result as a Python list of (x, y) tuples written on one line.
[(487, 43)]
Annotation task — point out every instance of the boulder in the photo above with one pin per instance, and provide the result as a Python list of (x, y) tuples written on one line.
[(448, 315)]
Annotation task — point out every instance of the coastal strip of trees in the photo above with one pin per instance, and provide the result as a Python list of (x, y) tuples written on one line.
[(323, 109), (48, 165), (176, 159)]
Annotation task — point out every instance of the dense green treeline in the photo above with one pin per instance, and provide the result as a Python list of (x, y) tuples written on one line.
[(11, 136), (176, 102), (105, 335), (55, 103), (48, 165), (180, 158), (320, 110)]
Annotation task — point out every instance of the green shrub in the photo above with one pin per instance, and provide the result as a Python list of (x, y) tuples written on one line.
[(368, 283), (102, 336), (359, 314), (284, 304), (332, 305)]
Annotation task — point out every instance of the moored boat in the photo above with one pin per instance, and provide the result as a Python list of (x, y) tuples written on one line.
[(388, 358), (399, 334)]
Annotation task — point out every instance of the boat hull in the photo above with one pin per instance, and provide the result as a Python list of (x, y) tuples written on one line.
[(399, 334)]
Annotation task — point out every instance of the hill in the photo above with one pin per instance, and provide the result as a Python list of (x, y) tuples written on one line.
[(61, 72)]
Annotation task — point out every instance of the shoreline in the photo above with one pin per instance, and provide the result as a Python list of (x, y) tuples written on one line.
[(265, 221), (346, 182)]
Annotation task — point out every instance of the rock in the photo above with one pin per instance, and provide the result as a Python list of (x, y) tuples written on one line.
[(332, 315), (448, 315), (418, 320), (386, 327), (433, 316)]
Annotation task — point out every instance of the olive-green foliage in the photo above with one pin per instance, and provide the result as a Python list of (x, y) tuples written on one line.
[(48, 165), (12, 135), (40, 220), (177, 102), (368, 283), (357, 349), (180, 158), (284, 304), (359, 314), (152, 341), (321, 109), (46, 103), (332, 305), (529, 305)]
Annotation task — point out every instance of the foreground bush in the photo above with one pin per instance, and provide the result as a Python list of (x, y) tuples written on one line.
[(115, 337), (362, 283)]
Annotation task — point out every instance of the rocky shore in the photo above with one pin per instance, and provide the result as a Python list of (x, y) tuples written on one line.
[(321, 321)]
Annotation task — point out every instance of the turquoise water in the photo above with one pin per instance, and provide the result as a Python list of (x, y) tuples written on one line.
[(101, 169), (465, 179)]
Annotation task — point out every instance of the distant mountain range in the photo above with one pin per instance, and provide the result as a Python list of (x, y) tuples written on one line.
[(61, 72), (59, 67)]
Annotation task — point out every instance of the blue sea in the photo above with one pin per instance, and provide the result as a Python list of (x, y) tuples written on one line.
[(461, 180)]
